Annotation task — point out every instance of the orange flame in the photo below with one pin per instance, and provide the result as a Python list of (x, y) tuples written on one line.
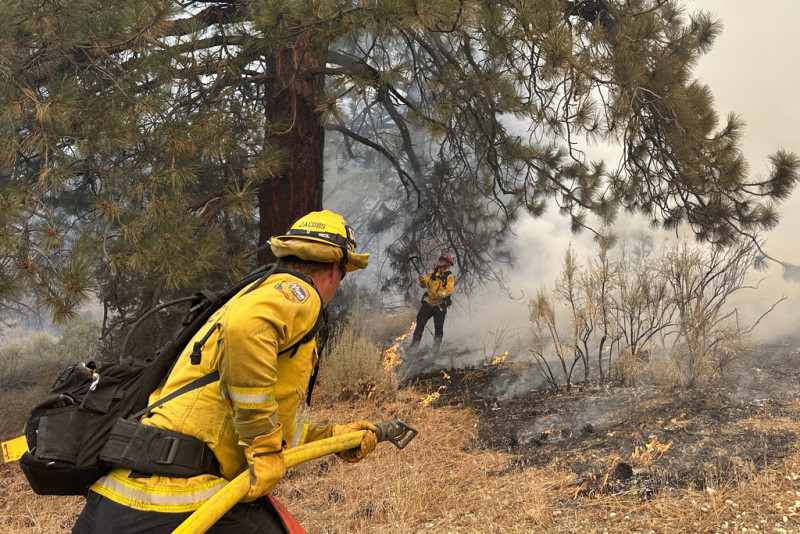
[(591, 488), (594, 487), (432, 397), (653, 451), (548, 430), (390, 357), (500, 359), (435, 395)]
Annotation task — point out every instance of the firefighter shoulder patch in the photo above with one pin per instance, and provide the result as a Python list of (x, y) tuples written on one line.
[(292, 291)]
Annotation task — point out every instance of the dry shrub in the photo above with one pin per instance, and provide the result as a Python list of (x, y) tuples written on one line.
[(731, 345), (707, 358), (701, 362), (667, 373), (628, 368), (353, 368), (387, 326), (17, 405), (30, 365)]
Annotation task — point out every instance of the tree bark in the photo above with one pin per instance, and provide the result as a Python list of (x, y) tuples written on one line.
[(294, 96)]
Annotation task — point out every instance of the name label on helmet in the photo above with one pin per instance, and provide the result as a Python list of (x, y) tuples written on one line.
[(293, 291), (311, 224)]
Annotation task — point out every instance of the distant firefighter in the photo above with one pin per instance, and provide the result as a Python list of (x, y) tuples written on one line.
[(439, 285)]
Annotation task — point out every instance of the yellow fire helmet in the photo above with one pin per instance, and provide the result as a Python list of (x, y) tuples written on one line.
[(320, 236)]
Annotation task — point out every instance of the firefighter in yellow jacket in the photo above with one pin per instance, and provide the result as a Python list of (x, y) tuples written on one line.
[(247, 417), (439, 285)]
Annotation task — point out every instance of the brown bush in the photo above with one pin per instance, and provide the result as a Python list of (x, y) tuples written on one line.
[(353, 369)]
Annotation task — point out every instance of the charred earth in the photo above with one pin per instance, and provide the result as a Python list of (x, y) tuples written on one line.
[(621, 439)]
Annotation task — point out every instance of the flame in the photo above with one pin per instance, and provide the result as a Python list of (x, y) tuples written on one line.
[(595, 487), (548, 430), (390, 357), (435, 395), (591, 488), (500, 359), (653, 451), (432, 397)]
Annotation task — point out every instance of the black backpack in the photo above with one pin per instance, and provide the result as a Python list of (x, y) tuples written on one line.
[(68, 429)]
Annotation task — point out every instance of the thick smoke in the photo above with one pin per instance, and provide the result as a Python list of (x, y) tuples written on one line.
[(749, 72), (747, 69)]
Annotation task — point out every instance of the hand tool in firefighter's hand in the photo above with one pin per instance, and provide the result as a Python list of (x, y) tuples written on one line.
[(413, 260), (395, 431)]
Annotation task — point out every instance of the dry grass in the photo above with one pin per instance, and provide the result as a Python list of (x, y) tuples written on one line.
[(438, 485), (443, 483)]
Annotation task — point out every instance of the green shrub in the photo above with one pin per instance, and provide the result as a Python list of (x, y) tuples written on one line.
[(39, 358), (80, 341), (25, 362)]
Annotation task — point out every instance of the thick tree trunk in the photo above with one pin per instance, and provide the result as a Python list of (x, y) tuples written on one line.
[(294, 96)]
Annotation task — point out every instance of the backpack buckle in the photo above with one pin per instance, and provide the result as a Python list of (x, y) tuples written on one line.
[(173, 444)]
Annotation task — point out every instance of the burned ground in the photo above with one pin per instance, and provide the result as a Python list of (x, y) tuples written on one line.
[(717, 433), (737, 440)]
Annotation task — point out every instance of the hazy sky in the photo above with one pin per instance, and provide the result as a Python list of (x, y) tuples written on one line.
[(752, 71)]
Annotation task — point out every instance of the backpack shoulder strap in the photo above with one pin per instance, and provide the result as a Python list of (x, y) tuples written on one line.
[(194, 384), (310, 335)]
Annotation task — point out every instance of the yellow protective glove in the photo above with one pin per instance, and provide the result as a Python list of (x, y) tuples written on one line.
[(265, 457), (368, 442)]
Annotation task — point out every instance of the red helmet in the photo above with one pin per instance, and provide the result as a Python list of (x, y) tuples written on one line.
[(446, 257)]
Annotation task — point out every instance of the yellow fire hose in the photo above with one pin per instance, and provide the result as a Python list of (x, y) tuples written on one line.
[(204, 517)]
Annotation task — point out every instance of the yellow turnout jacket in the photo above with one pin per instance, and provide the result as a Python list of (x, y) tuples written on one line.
[(439, 286), (259, 389)]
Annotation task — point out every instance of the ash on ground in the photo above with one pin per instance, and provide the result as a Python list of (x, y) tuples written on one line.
[(713, 433)]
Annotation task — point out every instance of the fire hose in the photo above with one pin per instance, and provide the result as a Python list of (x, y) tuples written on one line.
[(395, 431)]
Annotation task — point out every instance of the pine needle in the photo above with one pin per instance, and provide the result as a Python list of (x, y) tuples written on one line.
[(791, 273)]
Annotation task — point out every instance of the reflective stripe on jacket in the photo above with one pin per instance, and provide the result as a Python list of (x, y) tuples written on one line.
[(259, 389), (439, 286)]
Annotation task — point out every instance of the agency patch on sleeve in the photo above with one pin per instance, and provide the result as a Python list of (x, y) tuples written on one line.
[(292, 291)]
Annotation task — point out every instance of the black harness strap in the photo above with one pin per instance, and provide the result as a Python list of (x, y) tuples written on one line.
[(310, 335), (197, 350), (194, 384)]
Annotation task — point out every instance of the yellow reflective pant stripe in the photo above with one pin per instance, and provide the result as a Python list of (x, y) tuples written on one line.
[(119, 488)]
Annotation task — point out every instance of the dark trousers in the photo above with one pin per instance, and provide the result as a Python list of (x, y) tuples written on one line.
[(424, 314), (102, 515)]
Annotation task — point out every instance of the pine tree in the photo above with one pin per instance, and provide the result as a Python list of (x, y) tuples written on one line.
[(147, 144)]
